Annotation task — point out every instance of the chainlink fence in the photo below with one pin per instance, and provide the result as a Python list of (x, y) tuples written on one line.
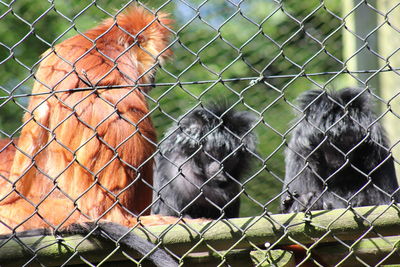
[(313, 172)]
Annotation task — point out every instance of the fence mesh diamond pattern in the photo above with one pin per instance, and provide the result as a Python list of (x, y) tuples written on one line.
[(204, 133)]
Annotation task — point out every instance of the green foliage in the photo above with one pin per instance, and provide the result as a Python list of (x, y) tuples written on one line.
[(219, 49)]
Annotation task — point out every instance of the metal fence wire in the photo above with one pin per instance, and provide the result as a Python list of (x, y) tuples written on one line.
[(199, 133)]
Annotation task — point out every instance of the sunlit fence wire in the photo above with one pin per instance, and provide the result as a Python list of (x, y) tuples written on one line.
[(246, 115)]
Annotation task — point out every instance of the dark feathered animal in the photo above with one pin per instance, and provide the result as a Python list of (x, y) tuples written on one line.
[(202, 158), (338, 154)]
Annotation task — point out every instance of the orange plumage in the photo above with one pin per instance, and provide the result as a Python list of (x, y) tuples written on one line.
[(87, 153)]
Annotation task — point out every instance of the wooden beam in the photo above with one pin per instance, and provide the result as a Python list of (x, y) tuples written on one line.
[(242, 233)]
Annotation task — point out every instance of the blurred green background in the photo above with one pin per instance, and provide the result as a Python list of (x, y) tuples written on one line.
[(221, 45)]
